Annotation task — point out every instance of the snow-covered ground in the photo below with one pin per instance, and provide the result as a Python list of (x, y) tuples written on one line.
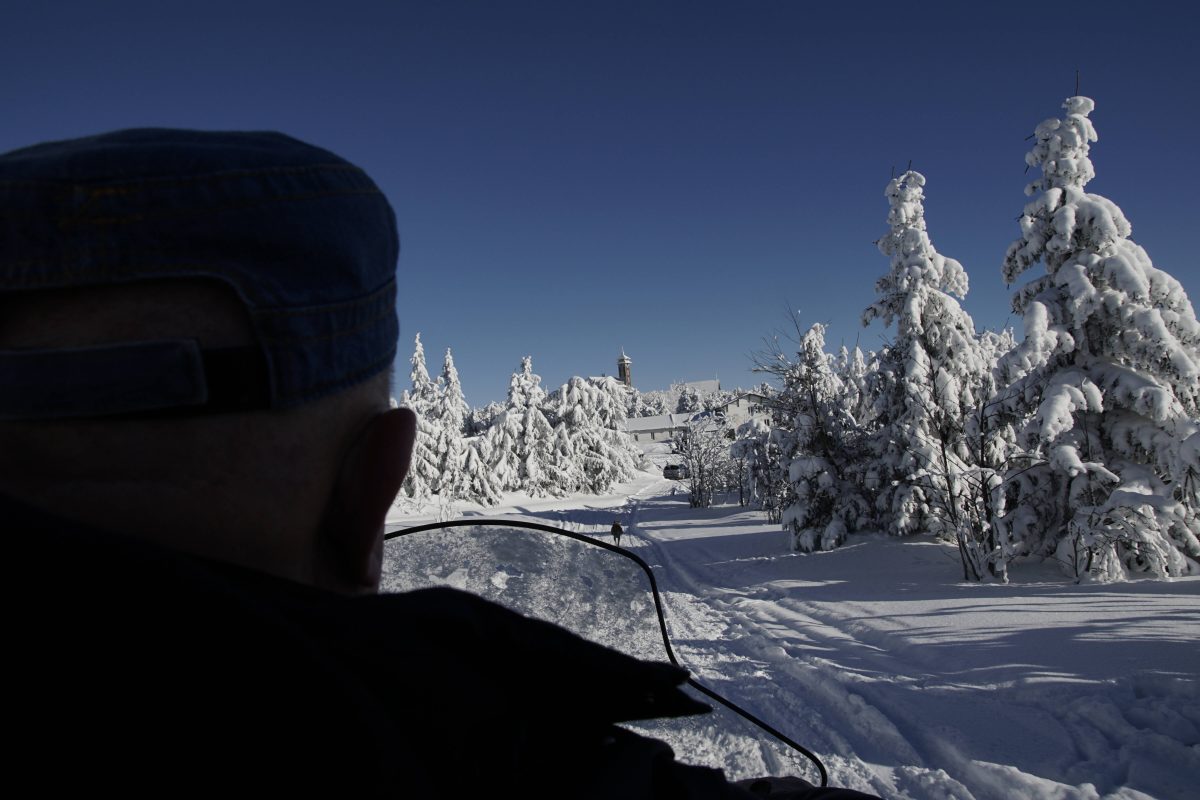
[(908, 682)]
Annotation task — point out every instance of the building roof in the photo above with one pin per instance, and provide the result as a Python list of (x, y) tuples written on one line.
[(706, 387), (753, 397), (659, 422)]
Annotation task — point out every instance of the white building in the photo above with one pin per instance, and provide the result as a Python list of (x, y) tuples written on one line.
[(743, 408), (659, 428), (650, 431)]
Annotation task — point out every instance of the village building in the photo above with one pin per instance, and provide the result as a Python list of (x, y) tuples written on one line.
[(659, 428), (649, 432), (742, 408)]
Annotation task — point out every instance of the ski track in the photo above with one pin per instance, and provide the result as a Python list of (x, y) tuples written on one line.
[(783, 657), (887, 711)]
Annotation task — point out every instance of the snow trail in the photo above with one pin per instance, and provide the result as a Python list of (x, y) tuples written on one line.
[(854, 678), (907, 682)]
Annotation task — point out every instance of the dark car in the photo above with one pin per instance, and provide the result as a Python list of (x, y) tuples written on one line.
[(675, 471)]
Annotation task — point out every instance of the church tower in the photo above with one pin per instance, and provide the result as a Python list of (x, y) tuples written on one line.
[(624, 375)]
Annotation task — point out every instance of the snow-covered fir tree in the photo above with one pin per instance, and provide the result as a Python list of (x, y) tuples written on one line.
[(476, 480), (521, 439), (425, 469), (636, 405), (480, 419), (592, 412), (561, 468), (853, 368), (423, 393), (449, 415), (1104, 385), (719, 398), (822, 449), (689, 400), (653, 403), (454, 408), (933, 371)]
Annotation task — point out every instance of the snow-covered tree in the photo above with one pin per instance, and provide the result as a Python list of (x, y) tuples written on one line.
[(425, 470), (821, 446), (718, 398), (703, 447), (476, 480), (423, 395), (990, 440), (853, 368), (689, 400), (521, 439), (480, 419), (653, 403), (648, 404), (424, 473), (448, 415), (592, 412), (934, 371), (757, 451), (453, 406), (561, 469), (1105, 383)]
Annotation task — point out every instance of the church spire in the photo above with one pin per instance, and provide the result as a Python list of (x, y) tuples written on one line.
[(624, 374)]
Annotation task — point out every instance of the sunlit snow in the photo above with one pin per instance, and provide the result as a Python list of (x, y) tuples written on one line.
[(908, 682)]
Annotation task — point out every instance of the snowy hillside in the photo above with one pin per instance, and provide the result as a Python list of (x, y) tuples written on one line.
[(906, 681)]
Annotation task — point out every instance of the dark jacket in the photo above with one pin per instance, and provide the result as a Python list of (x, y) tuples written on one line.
[(140, 669), (134, 667)]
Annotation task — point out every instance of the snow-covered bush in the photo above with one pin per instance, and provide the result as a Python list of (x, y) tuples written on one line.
[(821, 446), (989, 440), (756, 449), (703, 447)]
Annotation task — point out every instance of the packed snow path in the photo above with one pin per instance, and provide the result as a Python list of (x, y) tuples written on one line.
[(908, 682)]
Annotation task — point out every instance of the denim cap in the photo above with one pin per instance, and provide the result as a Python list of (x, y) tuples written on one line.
[(305, 239)]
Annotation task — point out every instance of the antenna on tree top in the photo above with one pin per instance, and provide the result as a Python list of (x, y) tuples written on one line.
[(1077, 83), (893, 170), (909, 166)]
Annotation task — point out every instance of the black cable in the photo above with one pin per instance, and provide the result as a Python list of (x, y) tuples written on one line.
[(662, 622)]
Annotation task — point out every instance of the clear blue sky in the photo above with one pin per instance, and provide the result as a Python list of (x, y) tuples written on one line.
[(571, 178)]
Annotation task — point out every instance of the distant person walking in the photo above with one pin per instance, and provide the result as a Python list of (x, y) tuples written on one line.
[(616, 533)]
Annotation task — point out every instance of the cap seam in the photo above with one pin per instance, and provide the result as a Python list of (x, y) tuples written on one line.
[(327, 337), (361, 299), (321, 389)]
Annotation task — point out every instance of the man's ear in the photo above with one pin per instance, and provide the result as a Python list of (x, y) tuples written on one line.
[(350, 550)]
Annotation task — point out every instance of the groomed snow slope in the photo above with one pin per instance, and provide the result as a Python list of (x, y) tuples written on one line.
[(906, 681)]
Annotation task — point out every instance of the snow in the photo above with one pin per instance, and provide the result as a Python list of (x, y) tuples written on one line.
[(658, 422), (908, 682)]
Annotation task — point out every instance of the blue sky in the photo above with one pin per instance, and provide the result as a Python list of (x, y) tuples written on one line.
[(671, 178)]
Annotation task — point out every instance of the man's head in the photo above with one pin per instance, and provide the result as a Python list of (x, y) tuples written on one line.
[(196, 331)]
